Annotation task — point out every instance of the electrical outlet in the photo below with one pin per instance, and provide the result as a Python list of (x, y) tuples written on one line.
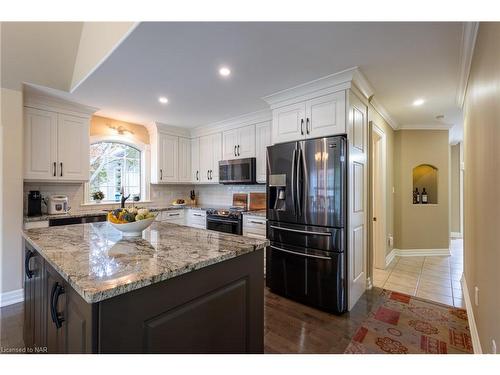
[(493, 347), (476, 296)]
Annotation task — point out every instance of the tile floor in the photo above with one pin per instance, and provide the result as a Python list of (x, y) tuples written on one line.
[(434, 278)]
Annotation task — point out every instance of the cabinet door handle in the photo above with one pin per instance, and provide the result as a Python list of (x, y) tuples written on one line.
[(57, 318), (61, 170), (307, 125), (238, 150), (208, 174), (302, 126), (173, 215), (197, 173), (235, 150), (27, 271), (161, 174), (211, 174), (256, 222), (55, 169)]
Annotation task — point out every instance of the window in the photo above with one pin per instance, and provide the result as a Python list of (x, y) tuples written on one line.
[(114, 165)]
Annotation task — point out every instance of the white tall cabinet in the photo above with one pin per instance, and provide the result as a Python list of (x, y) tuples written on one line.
[(56, 145)]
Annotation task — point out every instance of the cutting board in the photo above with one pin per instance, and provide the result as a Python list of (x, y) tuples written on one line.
[(257, 201)]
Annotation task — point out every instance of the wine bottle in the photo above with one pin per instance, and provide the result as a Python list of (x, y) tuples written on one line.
[(424, 197), (417, 196)]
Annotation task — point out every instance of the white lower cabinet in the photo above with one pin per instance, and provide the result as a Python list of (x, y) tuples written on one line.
[(173, 216), (196, 219), (255, 227)]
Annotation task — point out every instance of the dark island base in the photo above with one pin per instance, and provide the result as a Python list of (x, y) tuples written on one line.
[(217, 309)]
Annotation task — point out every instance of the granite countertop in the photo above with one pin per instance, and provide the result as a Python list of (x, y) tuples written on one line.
[(45, 217), (99, 263), (261, 213)]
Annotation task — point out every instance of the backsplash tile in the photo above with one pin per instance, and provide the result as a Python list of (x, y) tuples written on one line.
[(160, 195)]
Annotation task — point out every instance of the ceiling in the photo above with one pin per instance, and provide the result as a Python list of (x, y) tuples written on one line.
[(402, 61)]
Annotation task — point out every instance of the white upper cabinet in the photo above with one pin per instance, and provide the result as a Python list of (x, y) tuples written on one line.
[(325, 115), (238, 143), (195, 160), (288, 123), (168, 154), (40, 144), (318, 117), (230, 144), (184, 159), (262, 140), (210, 155), (216, 156), (73, 148), (56, 146)]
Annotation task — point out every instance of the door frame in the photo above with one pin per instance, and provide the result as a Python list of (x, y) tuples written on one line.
[(379, 252)]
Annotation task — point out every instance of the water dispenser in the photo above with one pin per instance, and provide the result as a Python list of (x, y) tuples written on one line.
[(277, 192)]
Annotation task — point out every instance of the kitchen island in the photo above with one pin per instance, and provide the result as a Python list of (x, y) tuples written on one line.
[(174, 290)]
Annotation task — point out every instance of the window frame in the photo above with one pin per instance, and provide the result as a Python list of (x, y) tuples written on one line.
[(144, 149)]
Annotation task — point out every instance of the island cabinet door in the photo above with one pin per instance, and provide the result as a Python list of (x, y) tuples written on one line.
[(216, 309), (34, 297), (70, 328)]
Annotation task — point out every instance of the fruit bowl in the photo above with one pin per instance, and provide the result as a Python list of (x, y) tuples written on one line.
[(134, 228)]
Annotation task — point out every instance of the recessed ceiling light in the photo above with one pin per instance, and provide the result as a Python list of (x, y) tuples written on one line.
[(418, 102), (163, 100), (224, 71)]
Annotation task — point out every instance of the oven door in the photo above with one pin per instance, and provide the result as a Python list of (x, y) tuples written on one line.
[(224, 225), (238, 171)]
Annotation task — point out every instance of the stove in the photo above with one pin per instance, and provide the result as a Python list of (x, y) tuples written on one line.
[(227, 220)]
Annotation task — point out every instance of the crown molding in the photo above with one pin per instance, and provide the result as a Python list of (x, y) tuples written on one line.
[(321, 86), (45, 98), (383, 112), (425, 127), (232, 123), (157, 126), (469, 35)]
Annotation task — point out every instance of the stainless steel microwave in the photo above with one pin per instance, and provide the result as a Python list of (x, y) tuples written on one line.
[(237, 171)]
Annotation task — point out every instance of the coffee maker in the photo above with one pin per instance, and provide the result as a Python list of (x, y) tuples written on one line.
[(34, 203)]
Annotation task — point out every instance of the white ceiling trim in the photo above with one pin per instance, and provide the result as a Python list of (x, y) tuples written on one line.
[(385, 115), (469, 35), (425, 127), (332, 82)]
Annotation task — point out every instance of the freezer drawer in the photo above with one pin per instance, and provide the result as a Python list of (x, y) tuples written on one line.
[(312, 277), (308, 236)]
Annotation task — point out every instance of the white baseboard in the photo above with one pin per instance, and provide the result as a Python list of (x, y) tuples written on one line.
[(476, 344), (456, 235), (12, 297), (422, 252), (389, 257)]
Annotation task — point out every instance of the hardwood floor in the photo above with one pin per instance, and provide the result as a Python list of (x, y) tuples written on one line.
[(289, 327)]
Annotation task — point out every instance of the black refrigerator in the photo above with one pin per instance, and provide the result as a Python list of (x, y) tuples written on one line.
[(306, 226)]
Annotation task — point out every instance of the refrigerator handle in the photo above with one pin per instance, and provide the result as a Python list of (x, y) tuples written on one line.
[(294, 159), (297, 181)]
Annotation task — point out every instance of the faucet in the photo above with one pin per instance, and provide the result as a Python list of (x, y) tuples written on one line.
[(124, 198)]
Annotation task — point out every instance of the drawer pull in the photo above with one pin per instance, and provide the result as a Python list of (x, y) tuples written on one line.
[(256, 222), (300, 254)]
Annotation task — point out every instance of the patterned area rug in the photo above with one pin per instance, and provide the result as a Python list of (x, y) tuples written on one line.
[(403, 324)]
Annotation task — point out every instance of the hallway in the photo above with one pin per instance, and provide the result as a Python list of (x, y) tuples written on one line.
[(435, 278)]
